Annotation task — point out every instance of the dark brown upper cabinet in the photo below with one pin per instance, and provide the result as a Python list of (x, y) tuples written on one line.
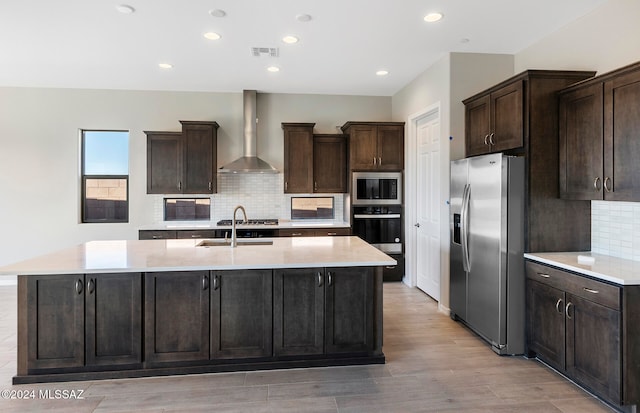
[(494, 120), (313, 163), (522, 114), (599, 145), (375, 146), (183, 162)]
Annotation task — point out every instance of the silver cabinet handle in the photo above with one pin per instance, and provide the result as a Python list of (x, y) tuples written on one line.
[(157, 237), (296, 234), (286, 185), (589, 290), (374, 160), (330, 276), (485, 139), (491, 142), (216, 283), (179, 185), (319, 279), (543, 275), (607, 187), (331, 234), (92, 285), (79, 286), (195, 236), (596, 184), (315, 185), (558, 306), (210, 186), (566, 310), (379, 161)]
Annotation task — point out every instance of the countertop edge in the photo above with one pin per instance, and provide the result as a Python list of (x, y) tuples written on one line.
[(545, 258)]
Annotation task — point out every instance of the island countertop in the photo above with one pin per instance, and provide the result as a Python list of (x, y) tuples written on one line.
[(184, 255)]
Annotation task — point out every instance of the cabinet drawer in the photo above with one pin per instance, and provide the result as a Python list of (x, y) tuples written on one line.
[(598, 292), (297, 232), (159, 234), (204, 233), (332, 232)]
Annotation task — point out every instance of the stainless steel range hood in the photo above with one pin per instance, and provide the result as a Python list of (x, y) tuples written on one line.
[(249, 162)]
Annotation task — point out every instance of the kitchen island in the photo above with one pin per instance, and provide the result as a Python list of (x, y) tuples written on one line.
[(111, 309)]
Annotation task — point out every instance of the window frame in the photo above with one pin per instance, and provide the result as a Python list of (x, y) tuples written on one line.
[(84, 177)]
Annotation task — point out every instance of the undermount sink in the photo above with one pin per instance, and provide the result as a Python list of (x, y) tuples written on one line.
[(227, 242)]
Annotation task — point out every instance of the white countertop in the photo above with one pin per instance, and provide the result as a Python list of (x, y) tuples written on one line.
[(607, 268), (183, 255), (282, 224)]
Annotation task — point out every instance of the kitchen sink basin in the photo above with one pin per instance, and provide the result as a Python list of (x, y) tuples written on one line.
[(227, 242)]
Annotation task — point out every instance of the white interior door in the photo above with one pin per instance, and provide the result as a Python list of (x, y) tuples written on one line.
[(427, 197)]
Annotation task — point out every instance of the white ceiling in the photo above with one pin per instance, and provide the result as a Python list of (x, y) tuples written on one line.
[(88, 44)]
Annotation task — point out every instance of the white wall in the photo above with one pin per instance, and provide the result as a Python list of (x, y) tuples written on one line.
[(39, 156), (603, 40), (450, 80)]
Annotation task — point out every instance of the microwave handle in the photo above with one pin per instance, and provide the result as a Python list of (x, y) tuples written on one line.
[(376, 216)]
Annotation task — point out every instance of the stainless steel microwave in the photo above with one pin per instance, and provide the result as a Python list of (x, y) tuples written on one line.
[(376, 188)]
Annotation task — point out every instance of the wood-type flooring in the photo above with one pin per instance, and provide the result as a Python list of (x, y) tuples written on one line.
[(433, 365)]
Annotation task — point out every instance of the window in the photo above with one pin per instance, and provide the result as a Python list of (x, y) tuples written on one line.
[(312, 208), (187, 209), (105, 176)]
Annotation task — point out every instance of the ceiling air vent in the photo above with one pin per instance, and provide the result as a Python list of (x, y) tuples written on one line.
[(264, 51)]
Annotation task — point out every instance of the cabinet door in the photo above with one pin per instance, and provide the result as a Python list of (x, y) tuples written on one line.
[(621, 138), (113, 319), (241, 314), (390, 147), (581, 152), (176, 316), (477, 126), (507, 117), (298, 159), (298, 305), (593, 346), (199, 149), (349, 310), (545, 323), (329, 164), (164, 162), (55, 320), (363, 147)]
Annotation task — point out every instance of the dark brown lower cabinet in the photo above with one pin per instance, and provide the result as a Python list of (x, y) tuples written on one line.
[(84, 320), (583, 328), (176, 316), (298, 311), (241, 314), (55, 321), (349, 310), (113, 324)]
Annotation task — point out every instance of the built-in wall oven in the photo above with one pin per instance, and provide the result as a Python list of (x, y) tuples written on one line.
[(380, 226)]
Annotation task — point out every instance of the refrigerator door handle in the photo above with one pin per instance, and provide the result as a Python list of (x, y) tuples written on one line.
[(464, 221)]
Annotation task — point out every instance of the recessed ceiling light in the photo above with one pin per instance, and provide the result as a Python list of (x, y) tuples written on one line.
[(433, 17), (165, 65), (290, 39), (273, 69), (217, 13), (125, 9), (303, 18), (212, 36), (382, 72)]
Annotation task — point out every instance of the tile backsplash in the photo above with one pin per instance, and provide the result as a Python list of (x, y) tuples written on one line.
[(615, 229), (262, 196)]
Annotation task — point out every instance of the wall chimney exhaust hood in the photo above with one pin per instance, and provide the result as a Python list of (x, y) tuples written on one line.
[(249, 162)]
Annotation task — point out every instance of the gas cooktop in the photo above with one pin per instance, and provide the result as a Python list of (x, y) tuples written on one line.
[(226, 222)]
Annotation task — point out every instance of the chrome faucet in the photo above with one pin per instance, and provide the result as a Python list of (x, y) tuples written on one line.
[(234, 238)]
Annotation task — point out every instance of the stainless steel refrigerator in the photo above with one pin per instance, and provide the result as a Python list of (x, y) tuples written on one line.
[(487, 215)]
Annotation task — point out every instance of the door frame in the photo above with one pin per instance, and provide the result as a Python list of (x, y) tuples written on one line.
[(410, 200)]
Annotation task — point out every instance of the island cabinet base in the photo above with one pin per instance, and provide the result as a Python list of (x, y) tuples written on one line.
[(125, 325)]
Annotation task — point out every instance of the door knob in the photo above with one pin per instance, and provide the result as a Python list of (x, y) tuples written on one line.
[(417, 225)]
